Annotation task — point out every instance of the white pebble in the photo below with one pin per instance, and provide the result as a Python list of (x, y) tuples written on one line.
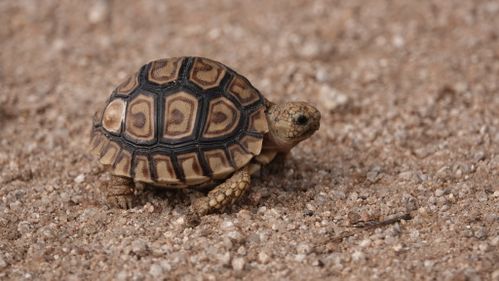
[(332, 98), (238, 264), (397, 247), (365, 243), (358, 256), (139, 247), (414, 234), (439, 192), (156, 270), (300, 257), (80, 178), (98, 12), (303, 248), (398, 41), (227, 224), (224, 258), (235, 235), (428, 264), (179, 221), (263, 257), (121, 276), (165, 265), (322, 75)]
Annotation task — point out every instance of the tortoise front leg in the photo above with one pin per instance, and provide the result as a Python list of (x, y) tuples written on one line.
[(276, 166), (119, 192), (223, 195)]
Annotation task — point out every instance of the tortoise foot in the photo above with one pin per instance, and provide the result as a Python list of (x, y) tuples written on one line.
[(120, 193)]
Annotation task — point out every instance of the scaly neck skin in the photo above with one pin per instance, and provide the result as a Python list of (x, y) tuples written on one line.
[(271, 141)]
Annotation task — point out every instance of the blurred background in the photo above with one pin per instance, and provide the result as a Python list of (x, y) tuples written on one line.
[(409, 94)]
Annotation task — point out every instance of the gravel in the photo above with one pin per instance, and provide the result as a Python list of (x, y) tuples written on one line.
[(408, 92)]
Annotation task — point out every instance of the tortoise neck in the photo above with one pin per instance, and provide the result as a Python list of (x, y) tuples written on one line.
[(271, 141)]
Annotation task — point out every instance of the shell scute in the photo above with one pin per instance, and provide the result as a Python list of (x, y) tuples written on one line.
[(239, 156), (140, 121), (180, 115), (113, 115), (223, 118), (193, 172), (109, 153), (242, 90), (164, 71), (206, 73), (219, 163), (141, 169), (123, 164), (258, 122), (165, 172), (128, 85)]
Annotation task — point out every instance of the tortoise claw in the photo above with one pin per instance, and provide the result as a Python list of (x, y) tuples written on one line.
[(201, 206), (120, 193)]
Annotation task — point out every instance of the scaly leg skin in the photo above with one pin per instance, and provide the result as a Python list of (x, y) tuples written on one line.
[(223, 195), (119, 193)]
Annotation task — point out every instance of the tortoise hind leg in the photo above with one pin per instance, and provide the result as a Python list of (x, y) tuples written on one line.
[(224, 194), (119, 193)]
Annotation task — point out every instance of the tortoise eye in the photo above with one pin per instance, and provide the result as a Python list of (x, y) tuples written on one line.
[(301, 120)]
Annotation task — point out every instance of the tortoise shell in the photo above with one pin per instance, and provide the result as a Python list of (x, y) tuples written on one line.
[(180, 122)]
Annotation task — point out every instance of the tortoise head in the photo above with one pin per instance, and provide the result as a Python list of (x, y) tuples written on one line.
[(291, 123)]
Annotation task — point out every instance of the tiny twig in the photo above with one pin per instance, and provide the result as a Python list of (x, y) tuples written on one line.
[(375, 224)]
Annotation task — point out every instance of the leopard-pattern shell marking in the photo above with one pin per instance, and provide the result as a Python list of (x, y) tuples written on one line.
[(179, 122)]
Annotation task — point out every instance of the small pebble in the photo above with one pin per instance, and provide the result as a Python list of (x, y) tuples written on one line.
[(331, 98), (358, 256), (439, 192), (397, 247), (263, 257), (479, 156), (227, 224), (365, 243), (80, 178), (482, 196), (238, 263), (398, 41), (408, 175), (156, 270), (428, 264), (480, 233), (374, 174), (303, 248), (307, 212), (224, 258), (139, 247), (235, 235), (241, 251), (122, 276), (148, 207), (98, 12)]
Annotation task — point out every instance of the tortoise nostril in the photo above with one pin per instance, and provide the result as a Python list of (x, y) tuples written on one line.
[(301, 120)]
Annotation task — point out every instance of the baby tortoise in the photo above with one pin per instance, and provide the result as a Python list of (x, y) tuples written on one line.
[(191, 122)]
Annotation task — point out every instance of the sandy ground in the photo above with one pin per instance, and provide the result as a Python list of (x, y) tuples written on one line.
[(400, 183)]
